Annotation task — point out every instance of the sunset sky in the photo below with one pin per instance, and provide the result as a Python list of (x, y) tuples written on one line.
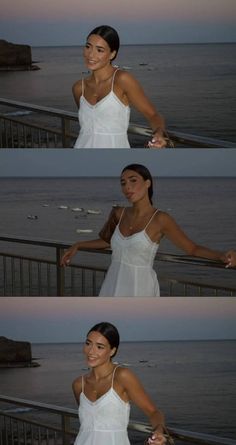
[(57, 319), (66, 22)]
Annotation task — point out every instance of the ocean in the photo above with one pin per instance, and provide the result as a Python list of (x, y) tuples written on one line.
[(205, 209), (192, 85), (192, 382)]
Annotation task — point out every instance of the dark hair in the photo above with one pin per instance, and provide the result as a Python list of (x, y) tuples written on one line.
[(110, 332), (145, 173), (110, 35)]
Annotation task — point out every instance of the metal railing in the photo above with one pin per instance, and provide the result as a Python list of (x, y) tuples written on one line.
[(25, 133), (29, 274), (62, 428)]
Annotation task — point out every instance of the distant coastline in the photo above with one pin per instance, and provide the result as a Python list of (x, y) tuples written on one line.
[(140, 44)]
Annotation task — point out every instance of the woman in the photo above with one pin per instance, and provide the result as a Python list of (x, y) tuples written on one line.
[(105, 96), (105, 393), (134, 234)]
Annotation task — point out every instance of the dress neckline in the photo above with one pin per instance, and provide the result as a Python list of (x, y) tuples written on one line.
[(111, 390), (111, 93), (140, 231), (135, 234)]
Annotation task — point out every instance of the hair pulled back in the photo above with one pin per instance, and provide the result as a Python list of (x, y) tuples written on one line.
[(109, 331), (110, 35)]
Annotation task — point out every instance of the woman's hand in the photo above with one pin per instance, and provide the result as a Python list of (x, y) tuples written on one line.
[(156, 438), (66, 258), (230, 258), (158, 141)]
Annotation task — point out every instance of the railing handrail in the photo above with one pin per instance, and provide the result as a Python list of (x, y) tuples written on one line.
[(199, 438), (40, 108), (199, 141), (39, 405), (162, 256)]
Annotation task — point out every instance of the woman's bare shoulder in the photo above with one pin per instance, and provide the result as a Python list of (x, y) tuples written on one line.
[(125, 77), (124, 374), (117, 211), (164, 219), (77, 87), (77, 384)]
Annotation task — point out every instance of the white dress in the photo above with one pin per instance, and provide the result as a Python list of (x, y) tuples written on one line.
[(131, 272), (105, 421), (105, 124)]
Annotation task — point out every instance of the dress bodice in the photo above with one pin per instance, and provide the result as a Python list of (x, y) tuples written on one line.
[(131, 272), (108, 413), (104, 421), (134, 250), (105, 124)]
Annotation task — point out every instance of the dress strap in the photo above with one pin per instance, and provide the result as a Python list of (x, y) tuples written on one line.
[(121, 215), (113, 79), (82, 86), (157, 210), (82, 383), (113, 375)]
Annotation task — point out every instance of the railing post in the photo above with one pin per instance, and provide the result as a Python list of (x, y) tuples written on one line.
[(65, 131), (60, 273), (65, 426)]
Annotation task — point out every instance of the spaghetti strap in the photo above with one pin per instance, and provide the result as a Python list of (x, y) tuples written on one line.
[(157, 210), (82, 86), (113, 79), (121, 216), (82, 383), (113, 375)]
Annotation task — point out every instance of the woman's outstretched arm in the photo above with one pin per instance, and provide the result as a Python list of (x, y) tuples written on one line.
[(136, 97), (91, 244), (175, 234), (101, 243), (137, 394)]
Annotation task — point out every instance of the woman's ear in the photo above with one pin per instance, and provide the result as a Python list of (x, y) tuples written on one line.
[(148, 183), (113, 351), (113, 55)]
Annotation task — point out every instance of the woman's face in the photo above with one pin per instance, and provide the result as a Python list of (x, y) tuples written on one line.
[(97, 53), (97, 349), (133, 186)]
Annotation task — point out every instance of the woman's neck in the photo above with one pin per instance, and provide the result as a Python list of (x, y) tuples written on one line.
[(102, 371), (142, 207), (103, 74)]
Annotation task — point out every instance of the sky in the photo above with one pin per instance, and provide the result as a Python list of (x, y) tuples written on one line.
[(70, 163), (67, 319), (65, 22)]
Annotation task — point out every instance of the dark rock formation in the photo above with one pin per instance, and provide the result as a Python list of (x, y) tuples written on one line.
[(15, 57), (15, 353)]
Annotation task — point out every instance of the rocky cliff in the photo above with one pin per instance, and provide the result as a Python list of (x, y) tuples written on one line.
[(15, 353), (15, 57)]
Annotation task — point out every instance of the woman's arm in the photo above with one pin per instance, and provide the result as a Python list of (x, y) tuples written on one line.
[(101, 243), (77, 91), (175, 234), (91, 244), (136, 393), (137, 98), (77, 388)]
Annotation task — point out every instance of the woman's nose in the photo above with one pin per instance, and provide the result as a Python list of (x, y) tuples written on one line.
[(91, 51)]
